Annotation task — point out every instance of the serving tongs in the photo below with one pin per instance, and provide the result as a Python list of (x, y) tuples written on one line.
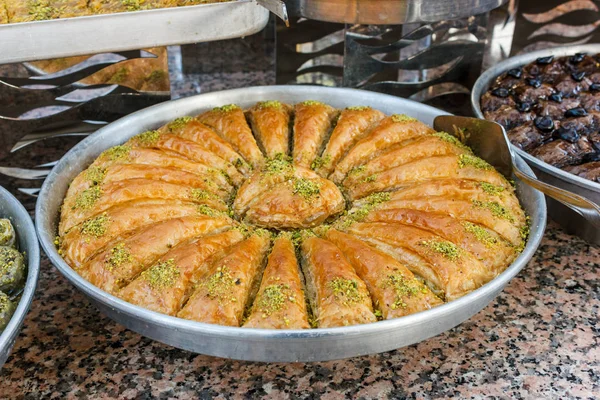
[(277, 7), (489, 141)]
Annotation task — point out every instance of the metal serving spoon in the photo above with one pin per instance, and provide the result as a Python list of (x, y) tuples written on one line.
[(489, 141)]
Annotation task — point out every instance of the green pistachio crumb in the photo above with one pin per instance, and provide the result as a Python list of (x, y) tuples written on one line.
[(402, 118), (358, 108), (446, 137), (162, 274), (482, 234), (115, 153), (403, 287), (345, 290), (370, 178), (319, 162), (96, 226), (279, 164), (306, 188), (301, 235), (369, 204), (227, 108), (148, 138), (445, 248), (41, 10), (95, 174), (118, 256), (311, 103), (87, 198), (497, 209), (490, 188), (270, 104), (218, 285), (179, 123), (273, 298), (357, 170), (465, 160), (201, 194)]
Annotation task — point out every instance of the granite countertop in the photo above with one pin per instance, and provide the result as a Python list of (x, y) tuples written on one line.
[(537, 339)]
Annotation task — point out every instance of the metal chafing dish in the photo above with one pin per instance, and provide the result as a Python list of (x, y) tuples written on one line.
[(570, 220), (388, 12), (261, 344), (11, 208), (40, 40)]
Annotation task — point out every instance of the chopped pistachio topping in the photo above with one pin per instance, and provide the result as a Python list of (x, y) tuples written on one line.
[(96, 226), (273, 298), (218, 285), (41, 10), (490, 188), (357, 170), (279, 164), (497, 209), (402, 118), (446, 137), (95, 174), (311, 103), (227, 108), (201, 194), (270, 104), (208, 211), (86, 199), (358, 108), (403, 287), (117, 153), (179, 123), (162, 274), (445, 248), (132, 5), (119, 76), (369, 204), (465, 160), (243, 229), (378, 314), (301, 235), (370, 178), (148, 138), (319, 162), (306, 188), (481, 234), (118, 256), (345, 291)]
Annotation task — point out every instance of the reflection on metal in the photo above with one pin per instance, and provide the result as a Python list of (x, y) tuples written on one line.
[(65, 100)]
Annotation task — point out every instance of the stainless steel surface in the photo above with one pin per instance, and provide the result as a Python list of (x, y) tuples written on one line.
[(11, 208), (389, 12), (277, 7), (570, 220), (42, 40), (489, 141), (260, 344)]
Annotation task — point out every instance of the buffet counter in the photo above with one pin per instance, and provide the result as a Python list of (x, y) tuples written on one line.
[(538, 338)]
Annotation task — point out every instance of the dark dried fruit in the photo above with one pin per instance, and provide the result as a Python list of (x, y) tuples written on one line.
[(556, 97), (578, 76), (500, 92), (515, 73), (544, 124), (595, 87), (523, 107), (577, 58), (536, 83), (575, 112), (545, 60), (570, 135)]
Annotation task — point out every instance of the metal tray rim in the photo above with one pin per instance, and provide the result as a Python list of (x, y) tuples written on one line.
[(44, 221), (26, 230), (485, 79)]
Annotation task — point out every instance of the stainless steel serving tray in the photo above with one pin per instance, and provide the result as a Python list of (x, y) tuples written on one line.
[(389, 12), (11, 208), (41, 40), (261, 344), (569, 219)]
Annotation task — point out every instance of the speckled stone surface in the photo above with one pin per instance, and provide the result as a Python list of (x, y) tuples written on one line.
[(538, 339)]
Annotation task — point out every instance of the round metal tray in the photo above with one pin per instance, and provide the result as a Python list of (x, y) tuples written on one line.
[(389, 12), (262, 344), (11, 208), (570, 220)]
